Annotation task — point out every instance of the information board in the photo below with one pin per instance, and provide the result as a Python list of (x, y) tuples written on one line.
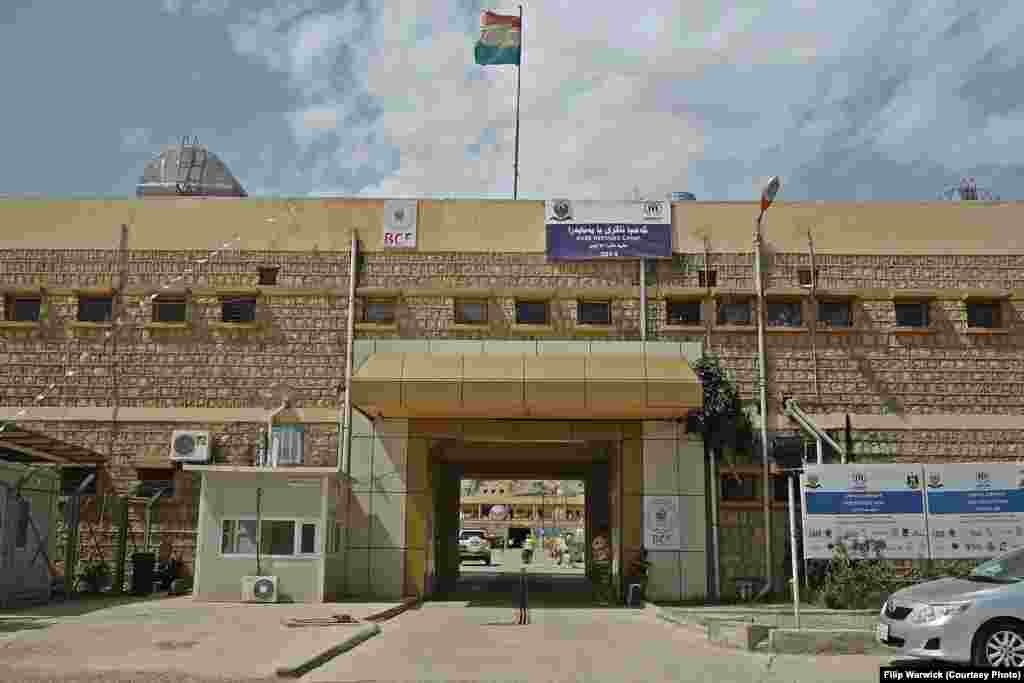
[(975, 510), (853, 504)]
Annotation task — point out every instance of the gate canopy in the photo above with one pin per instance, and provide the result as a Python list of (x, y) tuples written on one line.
[(485, 385), (18, 444)]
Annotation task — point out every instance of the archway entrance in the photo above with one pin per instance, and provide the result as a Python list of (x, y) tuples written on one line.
[(521, 499)]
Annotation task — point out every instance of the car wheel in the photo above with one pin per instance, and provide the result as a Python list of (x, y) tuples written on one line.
[(488, 560), (999, 645)]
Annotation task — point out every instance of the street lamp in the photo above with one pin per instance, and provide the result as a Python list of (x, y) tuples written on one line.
[(771, 189)]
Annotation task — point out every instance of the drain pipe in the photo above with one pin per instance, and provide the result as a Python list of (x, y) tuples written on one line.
[(715, 486), (763, 390), (793, 410), (643, 299), (345, 421)]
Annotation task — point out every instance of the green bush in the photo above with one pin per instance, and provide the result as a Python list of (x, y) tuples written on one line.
[(858, 584)]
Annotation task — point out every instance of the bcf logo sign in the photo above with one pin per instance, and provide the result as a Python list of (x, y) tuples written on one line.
[(399, 239)]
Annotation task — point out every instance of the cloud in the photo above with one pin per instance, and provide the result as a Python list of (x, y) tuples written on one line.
[(841, 99)]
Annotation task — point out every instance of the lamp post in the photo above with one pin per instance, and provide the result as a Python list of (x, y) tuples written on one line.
[(767, 197)]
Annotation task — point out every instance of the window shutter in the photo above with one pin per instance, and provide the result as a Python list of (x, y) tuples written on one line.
[(288, 444)]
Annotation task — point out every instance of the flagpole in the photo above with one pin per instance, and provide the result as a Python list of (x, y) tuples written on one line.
[(519, 73)]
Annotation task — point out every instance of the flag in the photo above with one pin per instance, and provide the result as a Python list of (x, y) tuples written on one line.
[(499, 39)]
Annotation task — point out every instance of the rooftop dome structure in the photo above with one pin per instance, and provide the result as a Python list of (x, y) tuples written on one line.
[(187, 169)]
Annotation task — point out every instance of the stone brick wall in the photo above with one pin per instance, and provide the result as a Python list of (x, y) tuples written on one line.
[(301, 339)]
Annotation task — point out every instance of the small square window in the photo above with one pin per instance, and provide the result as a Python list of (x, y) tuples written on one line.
[(531, 313), (95, 309), (707, 278), (803, 276), (470, 312), (784, 314), (734, 313), (912, 314), (684, 312), (169, 309), (739, 487), (238, 309), (984, 314), (379, 311), (268, 275), (594, 313), (834, 314), (23, 308)]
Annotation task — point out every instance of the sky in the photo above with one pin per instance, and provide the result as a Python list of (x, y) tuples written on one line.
[(843, 100)]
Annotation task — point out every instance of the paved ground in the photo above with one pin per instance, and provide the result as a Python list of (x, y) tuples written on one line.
[(234, 641), (453, 642)]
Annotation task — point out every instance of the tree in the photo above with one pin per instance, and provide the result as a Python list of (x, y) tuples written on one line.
[(722, 420)]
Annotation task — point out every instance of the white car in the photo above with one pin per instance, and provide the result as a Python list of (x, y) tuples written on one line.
[(474, 546), (977, 620)]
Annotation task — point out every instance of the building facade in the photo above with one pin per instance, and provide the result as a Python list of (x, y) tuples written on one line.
[(905, 316)]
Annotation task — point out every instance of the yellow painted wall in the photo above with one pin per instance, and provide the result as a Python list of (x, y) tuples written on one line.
[(503, 226)]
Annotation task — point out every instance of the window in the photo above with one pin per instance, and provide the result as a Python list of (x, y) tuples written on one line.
[(739, 487), (286, 444), (268, 275), (238, 537), (734, 313), (23, 308), (594, 313), (912, 314), (169, 309), (683, 312), (95, 309), (470, 312), (381, 311), (238, 309), (531, 313), (152, 481), (277, 537), (784, 314), (707, 278), (834, 314), (984, 314), (803, 276)]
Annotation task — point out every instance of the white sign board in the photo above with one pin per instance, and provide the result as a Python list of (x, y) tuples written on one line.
[(399, 224), (975, 510), (859, 503), (662, 523)]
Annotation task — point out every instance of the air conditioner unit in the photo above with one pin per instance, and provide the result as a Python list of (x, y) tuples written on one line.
[(259, 589), (190, 446)]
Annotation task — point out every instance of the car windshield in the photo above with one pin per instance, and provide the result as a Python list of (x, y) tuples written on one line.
[(469, 535), (1008, 568)]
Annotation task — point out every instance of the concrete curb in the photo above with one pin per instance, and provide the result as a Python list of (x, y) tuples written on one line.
[(821, 642), (407, 604), (361, 634), (742, 634)]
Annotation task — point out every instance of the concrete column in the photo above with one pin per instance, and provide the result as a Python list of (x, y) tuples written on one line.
[(673, 466)]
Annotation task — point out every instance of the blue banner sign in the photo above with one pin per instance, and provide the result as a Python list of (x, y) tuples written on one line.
[(881, 503), (600, 230)]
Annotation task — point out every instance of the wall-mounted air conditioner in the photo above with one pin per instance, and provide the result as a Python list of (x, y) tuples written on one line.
[(259, 589), (190, 446)]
